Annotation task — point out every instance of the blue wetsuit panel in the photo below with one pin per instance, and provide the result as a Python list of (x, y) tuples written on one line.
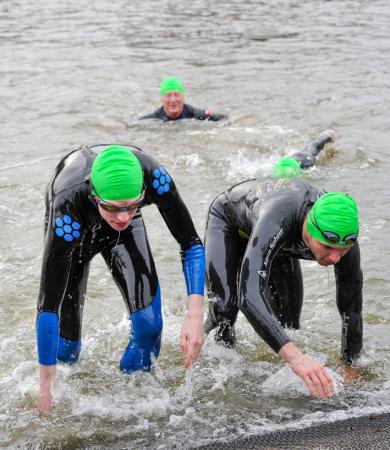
[(145, 338), (194, 269), (47, 338), (68, 351)]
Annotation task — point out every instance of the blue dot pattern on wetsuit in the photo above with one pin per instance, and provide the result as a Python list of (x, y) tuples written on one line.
[(67, 228), (161, 181)]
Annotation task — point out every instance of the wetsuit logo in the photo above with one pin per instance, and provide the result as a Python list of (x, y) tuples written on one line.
[(272, 245), (161, 180), (67, 228)]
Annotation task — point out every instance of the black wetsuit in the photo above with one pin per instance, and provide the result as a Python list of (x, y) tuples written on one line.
[(75, 232), (253, 246), (189, 112)]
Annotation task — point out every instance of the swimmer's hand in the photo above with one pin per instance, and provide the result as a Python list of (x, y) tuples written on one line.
[(192, 334), (317, 379)]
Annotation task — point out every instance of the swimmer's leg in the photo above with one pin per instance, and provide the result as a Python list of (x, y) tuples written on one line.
[(308, 157), (285, 290), (131, 263), (70, 319), (145, 338), (224, 250)]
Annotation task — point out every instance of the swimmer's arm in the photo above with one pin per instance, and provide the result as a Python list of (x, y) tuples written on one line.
[(255, 271), (315, 146), (349, 296), (215, 117), (47, 344), (54, 277), (254, 305), (192, 334), (152, 115), (180, 224), (317, 379), (308, 157), (204, 114), (46, 380)]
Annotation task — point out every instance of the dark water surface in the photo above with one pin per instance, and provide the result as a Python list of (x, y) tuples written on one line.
[(71, 72)]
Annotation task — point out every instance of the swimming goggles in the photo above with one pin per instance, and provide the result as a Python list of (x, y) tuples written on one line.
[(109, 207), (334, 238)]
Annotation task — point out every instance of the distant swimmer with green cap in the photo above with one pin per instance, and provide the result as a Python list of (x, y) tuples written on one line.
[(173, 106), (295, 164), (93, 205), (256, 233)]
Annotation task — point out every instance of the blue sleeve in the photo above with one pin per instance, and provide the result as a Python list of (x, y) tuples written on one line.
[(47, 338), (194, 269)]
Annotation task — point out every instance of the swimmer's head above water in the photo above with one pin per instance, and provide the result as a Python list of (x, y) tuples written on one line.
[(172, 97), (117, 182), (334, 220)]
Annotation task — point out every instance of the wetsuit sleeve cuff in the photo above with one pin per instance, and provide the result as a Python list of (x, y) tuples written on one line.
[(47, 338), (194, 269)]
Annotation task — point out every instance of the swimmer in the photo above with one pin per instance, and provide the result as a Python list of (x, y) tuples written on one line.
[(93, 205), (293, 165), (256, 233), (173, 106)]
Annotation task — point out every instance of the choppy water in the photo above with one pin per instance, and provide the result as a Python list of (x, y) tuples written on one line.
[(283, 71)]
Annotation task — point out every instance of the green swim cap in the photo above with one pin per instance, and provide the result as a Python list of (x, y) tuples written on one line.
[(171, 84), (287, 167), (334, 220), (116, 174)]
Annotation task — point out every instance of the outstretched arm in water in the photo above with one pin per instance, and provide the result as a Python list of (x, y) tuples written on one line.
[(307, 158)]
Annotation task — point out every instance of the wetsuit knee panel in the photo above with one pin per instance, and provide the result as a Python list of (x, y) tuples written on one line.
[(147, 323), (47, 338), (145, 338)]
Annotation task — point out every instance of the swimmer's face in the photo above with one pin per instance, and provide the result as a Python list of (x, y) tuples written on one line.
[(173, 104), (326, 255), (119, 221)]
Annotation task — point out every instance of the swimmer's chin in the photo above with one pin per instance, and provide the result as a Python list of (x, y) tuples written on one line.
[(324, 264), (119, 227)]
